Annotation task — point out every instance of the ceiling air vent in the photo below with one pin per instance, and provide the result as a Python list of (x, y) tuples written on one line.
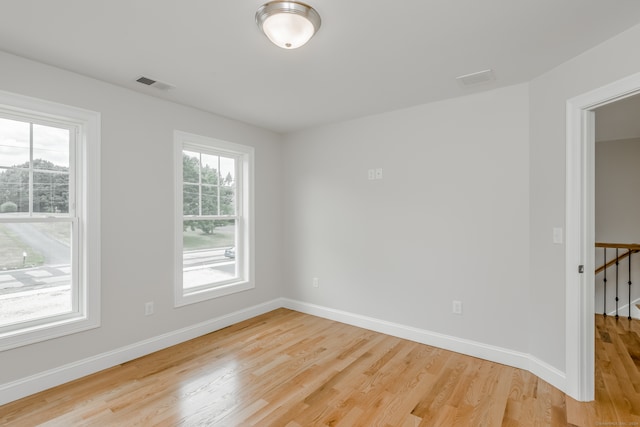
[(155, 83), (476, 78)]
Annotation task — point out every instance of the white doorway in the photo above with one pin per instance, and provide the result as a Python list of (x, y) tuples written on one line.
[(580, 232)]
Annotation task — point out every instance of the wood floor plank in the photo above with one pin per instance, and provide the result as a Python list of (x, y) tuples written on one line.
[(290, 369)]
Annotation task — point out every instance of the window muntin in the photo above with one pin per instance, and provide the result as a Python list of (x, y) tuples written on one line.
[(213, 226), (208, 184), (49, 220)]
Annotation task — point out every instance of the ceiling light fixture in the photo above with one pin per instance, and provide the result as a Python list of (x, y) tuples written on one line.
[(288, 24)]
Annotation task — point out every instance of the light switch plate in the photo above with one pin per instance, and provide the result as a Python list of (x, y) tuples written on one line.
[(371, 174), (557, 236)]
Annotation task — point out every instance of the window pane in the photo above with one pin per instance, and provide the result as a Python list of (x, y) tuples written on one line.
[(209, 169), (14, 143), (228, 183), (227, 201), (227, 171), (190, 199), (35, 271), (14, 191), (209, 200), (50, 192), (190, 167), (50, 148), (208, 252)]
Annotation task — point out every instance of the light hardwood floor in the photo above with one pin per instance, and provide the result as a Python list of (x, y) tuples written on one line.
[(290, 369)]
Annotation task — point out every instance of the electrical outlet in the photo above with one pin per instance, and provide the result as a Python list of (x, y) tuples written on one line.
[(148, 308), (316, 282), (379, 173), (457, 307)]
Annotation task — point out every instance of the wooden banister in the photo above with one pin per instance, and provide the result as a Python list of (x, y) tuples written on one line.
[(632, 249), (631, 246), (613, 261)]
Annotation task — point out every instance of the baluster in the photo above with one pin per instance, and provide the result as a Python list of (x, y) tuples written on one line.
[(629, 284), (617, 263), (604, 308)]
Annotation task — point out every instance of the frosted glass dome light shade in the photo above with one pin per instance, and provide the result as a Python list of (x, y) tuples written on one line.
[(287, 30), (288, 24)]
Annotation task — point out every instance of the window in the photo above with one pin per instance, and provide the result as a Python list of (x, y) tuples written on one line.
[(213, 220), (49, 233)]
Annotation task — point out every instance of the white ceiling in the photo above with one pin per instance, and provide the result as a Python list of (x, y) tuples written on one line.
[(369, 56)]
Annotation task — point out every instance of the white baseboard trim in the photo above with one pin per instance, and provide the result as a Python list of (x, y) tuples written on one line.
[(492, 353), (623, 311), (44, 380), (548, 373)]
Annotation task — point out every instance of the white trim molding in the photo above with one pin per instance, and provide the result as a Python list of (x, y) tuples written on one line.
[(580, 232), (489, 352)]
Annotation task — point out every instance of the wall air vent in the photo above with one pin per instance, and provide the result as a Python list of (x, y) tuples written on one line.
[(155, 83), (476, 78)]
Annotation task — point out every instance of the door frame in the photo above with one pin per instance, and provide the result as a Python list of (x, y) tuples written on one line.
[(580, 232)]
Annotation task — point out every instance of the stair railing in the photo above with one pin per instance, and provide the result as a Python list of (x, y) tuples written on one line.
[(631, 248)]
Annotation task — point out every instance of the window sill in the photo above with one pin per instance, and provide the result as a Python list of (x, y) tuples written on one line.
[(212, 293), (47, 331)]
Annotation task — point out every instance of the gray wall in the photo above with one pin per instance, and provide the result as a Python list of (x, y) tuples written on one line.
[(617, 183), (449, 220), (137, 214)]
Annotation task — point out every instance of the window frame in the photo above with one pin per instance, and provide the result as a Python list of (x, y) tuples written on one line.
[(83, 215), (244, 156)]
